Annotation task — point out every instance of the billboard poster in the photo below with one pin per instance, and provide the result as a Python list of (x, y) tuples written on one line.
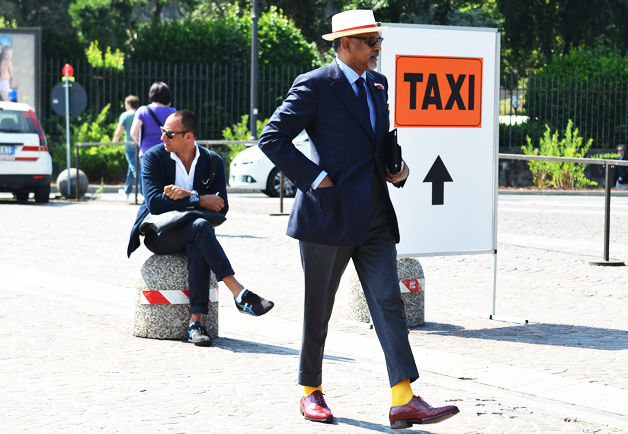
[(20, 60)]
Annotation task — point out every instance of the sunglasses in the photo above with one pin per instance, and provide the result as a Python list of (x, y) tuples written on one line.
[(371, 41), (171, 134)]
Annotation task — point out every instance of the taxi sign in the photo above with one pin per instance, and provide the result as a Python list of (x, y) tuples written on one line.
[(438, 92)]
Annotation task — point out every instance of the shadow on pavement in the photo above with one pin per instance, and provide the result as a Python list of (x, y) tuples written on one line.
[(373, 426), (8, 201), (540, 334), (242, 346), (240, 236)]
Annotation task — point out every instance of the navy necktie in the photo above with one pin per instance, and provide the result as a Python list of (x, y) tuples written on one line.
[(362, 96)]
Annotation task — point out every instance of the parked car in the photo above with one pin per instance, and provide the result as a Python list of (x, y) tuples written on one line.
[(25, 164), (251, 169)]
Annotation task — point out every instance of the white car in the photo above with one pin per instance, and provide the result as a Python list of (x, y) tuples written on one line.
[(251, 169), (25, 164)]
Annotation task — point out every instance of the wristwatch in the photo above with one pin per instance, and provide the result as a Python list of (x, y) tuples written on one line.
[(195, 193)]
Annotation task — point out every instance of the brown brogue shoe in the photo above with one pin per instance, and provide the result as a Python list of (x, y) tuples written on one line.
[(314, 408), (420, 412)]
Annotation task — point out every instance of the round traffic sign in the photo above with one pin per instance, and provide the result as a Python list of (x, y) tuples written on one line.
[(78, 98)]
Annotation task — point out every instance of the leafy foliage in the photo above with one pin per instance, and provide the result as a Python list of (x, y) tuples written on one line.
[(226, 40), (109, 60), (239, 131), (107, 163), (598, 62), (281, 42), (537, 30), (605, 156), (6, 23), (583, 85), (558, 174), (61, 46), (52, 15), (194, 41), (111, 22)]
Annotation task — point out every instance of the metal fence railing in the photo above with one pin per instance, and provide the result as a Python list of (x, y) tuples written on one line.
[(219, 94), (607, 191), (598, 107), (205, 143)]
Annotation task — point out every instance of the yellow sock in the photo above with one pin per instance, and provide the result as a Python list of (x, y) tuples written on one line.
[(401, 393), (307, 390)]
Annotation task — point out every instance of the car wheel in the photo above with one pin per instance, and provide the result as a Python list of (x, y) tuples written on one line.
[(273, 183), (42, 193), (22, 194)]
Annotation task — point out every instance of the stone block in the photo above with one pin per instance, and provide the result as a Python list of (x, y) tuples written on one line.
[(412, 286), (169, 321)]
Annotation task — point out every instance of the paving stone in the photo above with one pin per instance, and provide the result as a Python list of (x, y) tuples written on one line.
[(79, 369)]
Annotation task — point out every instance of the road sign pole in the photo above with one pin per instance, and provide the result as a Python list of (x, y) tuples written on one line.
[(67, 127)]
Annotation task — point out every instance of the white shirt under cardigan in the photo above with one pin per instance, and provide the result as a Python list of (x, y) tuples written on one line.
[(182, 178)]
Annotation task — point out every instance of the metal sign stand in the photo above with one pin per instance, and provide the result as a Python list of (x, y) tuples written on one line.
[(493, 295), (492, 302)]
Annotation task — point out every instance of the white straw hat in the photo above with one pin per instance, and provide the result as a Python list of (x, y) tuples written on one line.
[(352, 23)]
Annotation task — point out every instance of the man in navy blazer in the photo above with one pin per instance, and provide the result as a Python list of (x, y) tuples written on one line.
[(180, 179), (343, 211)]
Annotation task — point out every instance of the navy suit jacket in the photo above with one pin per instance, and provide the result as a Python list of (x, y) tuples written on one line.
[(342, 143), (159, 170)]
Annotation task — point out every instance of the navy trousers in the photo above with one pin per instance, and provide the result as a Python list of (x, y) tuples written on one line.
[(204, 253), (376, 264)]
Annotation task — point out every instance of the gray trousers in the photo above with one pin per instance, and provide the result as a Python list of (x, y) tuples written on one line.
[(376, 264)]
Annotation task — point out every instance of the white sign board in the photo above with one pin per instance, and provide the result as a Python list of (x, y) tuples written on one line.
[(443, 87)]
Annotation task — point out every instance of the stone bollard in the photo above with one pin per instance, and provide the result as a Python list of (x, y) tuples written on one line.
[(411, 284), (62, 183), (161, 304)]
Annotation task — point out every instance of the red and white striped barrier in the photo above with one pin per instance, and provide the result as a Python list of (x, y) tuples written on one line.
[(412, 285), (173, 296)]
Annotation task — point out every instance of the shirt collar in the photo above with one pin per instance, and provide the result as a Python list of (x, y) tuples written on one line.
[(351, 75), (175, 157)]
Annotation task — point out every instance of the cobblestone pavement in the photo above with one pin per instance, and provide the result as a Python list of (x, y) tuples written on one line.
[(68, 361)]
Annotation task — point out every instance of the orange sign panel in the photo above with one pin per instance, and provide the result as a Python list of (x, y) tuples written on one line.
[(441, 92)]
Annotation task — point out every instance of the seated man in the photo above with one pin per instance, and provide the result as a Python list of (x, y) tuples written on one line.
[(178, 177)]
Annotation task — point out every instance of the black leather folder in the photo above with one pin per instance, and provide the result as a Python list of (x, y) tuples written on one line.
[(393, 152)]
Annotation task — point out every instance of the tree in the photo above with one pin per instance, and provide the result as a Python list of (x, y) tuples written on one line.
[(227, 40), (194, 40), (537, 30), (52, 15), (110, 22), (58, 35)]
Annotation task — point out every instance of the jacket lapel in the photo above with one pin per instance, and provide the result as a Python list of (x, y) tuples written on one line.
[(200, 172), (349, 99), (379, 101), (171, 168)]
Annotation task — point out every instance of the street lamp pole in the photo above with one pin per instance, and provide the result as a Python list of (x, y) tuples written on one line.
[(254, 70)]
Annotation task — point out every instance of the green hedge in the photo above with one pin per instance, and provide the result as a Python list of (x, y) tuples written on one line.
[(227, 40), (100, 163), (588, 87)]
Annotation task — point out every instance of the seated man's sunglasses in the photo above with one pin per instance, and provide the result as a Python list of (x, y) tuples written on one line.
[(371, 41), (171, 134)]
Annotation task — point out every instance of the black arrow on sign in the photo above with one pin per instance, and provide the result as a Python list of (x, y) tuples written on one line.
[(438, 176)]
